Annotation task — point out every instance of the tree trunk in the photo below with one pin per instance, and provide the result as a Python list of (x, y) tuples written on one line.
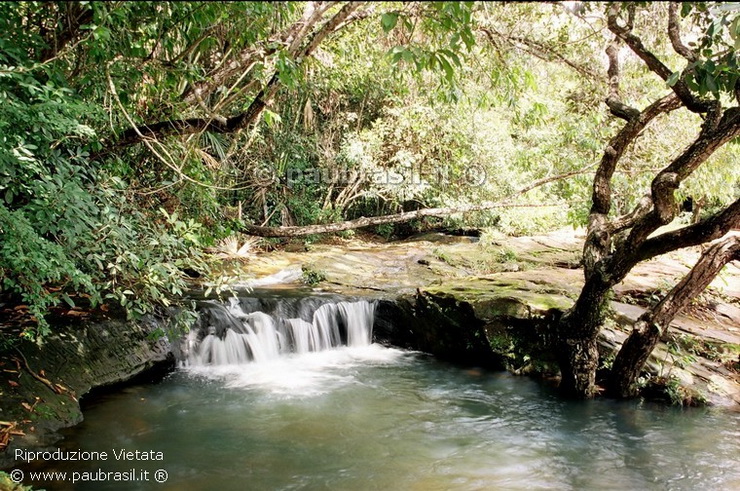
[(650, 326), (615, 245), (577, 353), (409, 215), (632, 357), (578, 359)]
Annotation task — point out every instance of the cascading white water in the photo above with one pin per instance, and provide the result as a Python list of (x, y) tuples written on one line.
[(234, 336)]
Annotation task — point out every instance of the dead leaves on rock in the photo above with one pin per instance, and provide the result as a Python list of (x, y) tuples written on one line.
[(8, 429), (57, 388), (31, 407)]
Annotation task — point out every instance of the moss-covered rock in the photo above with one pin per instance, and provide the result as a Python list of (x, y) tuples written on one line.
[(514, 316), (7, 484), (40, 386)]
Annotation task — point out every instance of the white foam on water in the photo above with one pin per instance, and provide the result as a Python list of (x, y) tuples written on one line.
[(302, 375), (290, 357)]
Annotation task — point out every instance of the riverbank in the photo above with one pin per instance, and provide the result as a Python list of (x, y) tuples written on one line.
[(483, 302), (41, 386), (503, 288)]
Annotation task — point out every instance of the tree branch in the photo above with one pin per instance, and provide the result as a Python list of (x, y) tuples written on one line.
[(701, 275), (706, 230), (668, 180), (251, 54), (409, 215), (628, 220), (693, 103), (613, 100), (297, 231), (618, 145), (240, 121), (329, 27), (539, 50), (75, 17), (674, 33), (649, 328)]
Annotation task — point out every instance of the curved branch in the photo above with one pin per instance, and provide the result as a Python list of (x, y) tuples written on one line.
[(598, 241), (613, 100), (628, 220), (668, 180), (601, 196), (706, 230), (329, 27), (674, 33), (693, 103), (293, 35)]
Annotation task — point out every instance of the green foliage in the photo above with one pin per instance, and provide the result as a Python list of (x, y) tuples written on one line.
[(68, 229), (506, 255), (680, 395), (8, 484), (28, 263), (717, 70), (177, 323), (445, 30), (416, 105), (311, 276)]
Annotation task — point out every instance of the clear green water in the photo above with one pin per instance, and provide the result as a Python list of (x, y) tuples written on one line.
[(377, 418)]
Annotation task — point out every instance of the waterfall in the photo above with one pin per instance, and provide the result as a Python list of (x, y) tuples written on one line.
[(258, 330)]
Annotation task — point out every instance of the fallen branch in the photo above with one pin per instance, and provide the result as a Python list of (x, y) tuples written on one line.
[(381, 220), (56, 388), (406, 216)]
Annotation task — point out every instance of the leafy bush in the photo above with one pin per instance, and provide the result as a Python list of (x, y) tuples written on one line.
[(68, 230), (312, 276)]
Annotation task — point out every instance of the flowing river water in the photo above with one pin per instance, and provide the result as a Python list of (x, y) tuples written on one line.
[(361, 416)]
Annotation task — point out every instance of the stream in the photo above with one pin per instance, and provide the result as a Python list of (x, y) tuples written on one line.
[(361, 416)]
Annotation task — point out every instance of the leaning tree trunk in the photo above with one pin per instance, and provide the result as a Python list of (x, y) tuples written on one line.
[(653, 324), (406, 216), (303, 230)]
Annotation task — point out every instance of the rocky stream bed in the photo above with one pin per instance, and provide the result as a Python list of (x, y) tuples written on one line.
[(483, 303)]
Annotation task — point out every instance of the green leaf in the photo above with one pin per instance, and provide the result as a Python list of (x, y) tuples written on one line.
[(389, 21), (711, 84), (447, 67), (272, 119), (673, 79), (69, 301)]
